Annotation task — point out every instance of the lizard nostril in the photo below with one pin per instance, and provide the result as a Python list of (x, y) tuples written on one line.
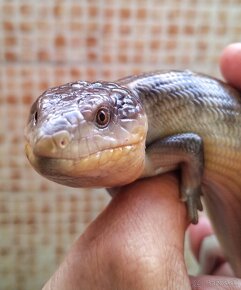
[(63, 143), (62, 139)]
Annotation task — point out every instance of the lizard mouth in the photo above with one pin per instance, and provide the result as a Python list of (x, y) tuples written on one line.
[(95, 169)]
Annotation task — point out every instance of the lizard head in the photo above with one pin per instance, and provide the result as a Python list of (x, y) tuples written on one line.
[(87, 134)]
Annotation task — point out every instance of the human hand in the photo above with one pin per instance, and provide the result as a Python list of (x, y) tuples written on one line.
[(137, 242)]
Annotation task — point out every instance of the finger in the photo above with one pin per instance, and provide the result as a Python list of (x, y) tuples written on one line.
[(207, 249), (230, 64), (136, 243), (197, 233)]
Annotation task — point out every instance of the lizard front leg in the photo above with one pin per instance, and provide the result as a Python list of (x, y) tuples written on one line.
[(184, 152)]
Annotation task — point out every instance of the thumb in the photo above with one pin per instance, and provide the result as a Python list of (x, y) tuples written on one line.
[(230, 64)]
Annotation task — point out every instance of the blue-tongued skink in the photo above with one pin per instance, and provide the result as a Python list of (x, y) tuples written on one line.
[(108, 134)]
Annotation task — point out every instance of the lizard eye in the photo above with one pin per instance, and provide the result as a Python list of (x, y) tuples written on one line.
[(102, 117), (35, 117)]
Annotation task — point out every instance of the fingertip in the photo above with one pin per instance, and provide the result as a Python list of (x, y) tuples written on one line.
[(196, 234), (230, 64)]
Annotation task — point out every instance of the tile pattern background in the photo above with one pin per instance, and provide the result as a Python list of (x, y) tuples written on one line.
[(46, 43)]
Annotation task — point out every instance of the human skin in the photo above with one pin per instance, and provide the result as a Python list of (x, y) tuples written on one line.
[(137, 242)]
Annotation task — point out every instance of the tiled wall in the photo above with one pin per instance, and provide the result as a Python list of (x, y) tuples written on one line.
[(45, 43)]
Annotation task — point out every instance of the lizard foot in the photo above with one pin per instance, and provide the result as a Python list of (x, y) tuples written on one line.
[(193, 199)]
